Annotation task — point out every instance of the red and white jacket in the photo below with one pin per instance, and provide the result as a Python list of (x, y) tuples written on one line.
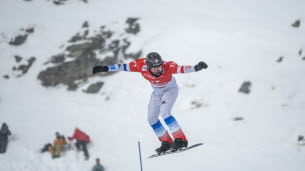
[(158, 83)]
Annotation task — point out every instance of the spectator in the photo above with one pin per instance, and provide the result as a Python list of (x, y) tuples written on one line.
[(59, 145), (82, 139), (4, 133), (98, 166), (45, 148)]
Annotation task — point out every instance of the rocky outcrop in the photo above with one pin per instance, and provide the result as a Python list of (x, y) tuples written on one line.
[(60, 58), (21, 38), (280, 59), (23, 68), (18, 40), (245, 87), (296, 24), (73, 67), (18, 58), (133, 26)]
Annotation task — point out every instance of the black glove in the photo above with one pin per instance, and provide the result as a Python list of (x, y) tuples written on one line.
[(97, 69), (201, 65)]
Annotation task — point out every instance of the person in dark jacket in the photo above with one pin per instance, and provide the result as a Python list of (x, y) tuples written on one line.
[(98, 166), (82, 139), (4, 133)]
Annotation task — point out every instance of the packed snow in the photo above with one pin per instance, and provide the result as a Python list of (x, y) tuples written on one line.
[(239, 40)]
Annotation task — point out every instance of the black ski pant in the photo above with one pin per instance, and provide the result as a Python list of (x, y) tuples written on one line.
[(3, 144), (82, 145)]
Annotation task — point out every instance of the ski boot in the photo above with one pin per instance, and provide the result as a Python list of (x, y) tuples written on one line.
[(178, 144), (165, 146)]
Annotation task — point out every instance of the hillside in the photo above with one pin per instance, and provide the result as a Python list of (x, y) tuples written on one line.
[(46, 83)]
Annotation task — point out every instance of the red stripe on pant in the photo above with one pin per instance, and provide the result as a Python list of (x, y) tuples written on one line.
[(179, 134), (166, 138)]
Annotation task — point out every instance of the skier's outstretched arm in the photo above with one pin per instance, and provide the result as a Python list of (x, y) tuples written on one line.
[(116, 67), (177, 69)]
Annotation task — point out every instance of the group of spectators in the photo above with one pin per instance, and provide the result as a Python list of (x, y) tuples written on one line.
[(59, 144)]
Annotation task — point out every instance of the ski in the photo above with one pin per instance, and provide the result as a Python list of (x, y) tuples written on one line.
[(179, 151)]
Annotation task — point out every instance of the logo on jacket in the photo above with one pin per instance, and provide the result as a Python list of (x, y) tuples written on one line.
[(144, 68), (112, 67)]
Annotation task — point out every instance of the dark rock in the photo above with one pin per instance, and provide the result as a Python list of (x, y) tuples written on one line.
[(24, 68), (106, 34), (114, 45), (300, 52), (76, 38), (94, 88), (97, 42), (86, 32), (296, 24), (70, 72), (131, 20), (245, 87), (84, 54), (196, 104), (62, 2), (59, 2), (93, 44), (18, 40), (133, 26), (301, 138), (18, 58), (238, 118), (280, 59), (29, 30), (77, 50), (86, 24), (6, 76), (58, 58), (303, 58)]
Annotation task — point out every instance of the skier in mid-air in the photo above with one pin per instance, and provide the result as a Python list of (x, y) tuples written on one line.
[(159, 74)]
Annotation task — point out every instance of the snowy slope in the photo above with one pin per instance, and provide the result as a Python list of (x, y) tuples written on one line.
[(240, 40)]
